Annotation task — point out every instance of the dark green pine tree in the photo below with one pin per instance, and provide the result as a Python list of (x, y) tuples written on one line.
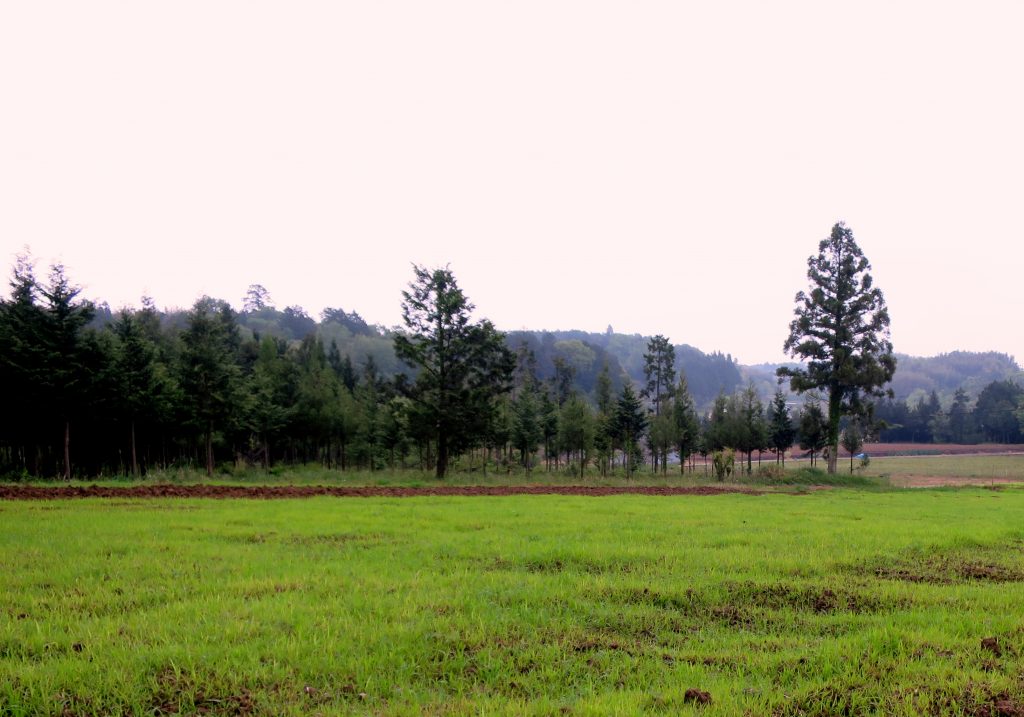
[(841, 332), (576, 431), (209, 374), (630, 423), (135, 377), (852, 439), (719, 432), (813, 429), (273, 387), (22, 356), (687, 423), (604, 422), (527, 428), (463, 366), (752, 429), (659, 372), (781, 431), (960, 416), (66, 373)]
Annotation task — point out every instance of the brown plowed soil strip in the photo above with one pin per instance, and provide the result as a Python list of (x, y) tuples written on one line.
[(27, 492)]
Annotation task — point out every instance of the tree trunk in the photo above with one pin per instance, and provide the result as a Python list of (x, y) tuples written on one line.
[(834, 414), (209, 449), (67, 450), (135, 460), (442, 455)]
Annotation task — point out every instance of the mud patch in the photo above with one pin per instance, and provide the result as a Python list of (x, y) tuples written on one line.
[(741, 597), (337, 540), (980, 565), (973, 699), (581, 564), (177, 693), (811, 598)]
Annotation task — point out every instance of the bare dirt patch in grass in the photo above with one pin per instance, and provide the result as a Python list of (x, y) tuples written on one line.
[(994, 565)]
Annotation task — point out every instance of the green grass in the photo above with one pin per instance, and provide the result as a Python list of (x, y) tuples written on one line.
[(835, 602)]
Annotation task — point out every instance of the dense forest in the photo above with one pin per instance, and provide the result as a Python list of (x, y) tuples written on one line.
[(89, 391)]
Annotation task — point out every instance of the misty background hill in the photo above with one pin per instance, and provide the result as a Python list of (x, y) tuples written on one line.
[(587, 352)]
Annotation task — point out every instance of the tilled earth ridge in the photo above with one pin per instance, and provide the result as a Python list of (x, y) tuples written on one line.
[(30, 492)]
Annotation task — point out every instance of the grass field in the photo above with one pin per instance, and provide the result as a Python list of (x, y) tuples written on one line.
[(834, 602)]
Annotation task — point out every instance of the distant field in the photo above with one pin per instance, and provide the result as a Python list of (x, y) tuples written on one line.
[(833, 602), (942, 470), (924, 449)]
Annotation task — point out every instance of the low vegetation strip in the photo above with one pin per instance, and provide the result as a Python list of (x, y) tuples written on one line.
[(33, 492)]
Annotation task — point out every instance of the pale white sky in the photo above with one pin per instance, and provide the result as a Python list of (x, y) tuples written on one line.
[(663, 167)]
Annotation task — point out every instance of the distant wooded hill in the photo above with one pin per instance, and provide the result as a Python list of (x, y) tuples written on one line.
[(586, 353), (917, 377)]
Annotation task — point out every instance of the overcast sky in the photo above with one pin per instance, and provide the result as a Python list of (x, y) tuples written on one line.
[(660, 167)]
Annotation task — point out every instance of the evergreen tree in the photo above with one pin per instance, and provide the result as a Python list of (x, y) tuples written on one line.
[(65, 373), (630, 423), (720, 429), (781, 432), (527, 428), (752, 433), (659, 371), (841, 330), (135, 376), (959, 417), (576, 431), (22, 357), (853, 439), (394, 429), (463, 366), (273, 387), (209, 374), (995, 411), (813, 431), (549, 427), (687, 422), (663, 435)]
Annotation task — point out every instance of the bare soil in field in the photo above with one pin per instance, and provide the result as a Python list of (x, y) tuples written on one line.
[(29, 492)]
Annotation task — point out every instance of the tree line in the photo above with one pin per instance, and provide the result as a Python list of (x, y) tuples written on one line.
[(996, 416), (140, 393)]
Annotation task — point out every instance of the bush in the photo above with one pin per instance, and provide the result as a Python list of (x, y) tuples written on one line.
[(770, 473), (723, 463)]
